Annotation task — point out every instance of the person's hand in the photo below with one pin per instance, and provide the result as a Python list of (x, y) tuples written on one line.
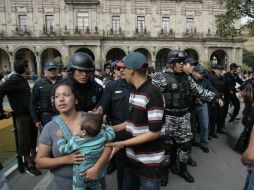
[(74, 158), (116, 147), (91, 174), (59, 133), (38, 125), (221, 103), (98, 110)]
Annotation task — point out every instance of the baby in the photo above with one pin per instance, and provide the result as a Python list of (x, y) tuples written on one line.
[(89, 142)]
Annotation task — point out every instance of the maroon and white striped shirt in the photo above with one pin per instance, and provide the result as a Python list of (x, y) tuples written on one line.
[(146, 113)]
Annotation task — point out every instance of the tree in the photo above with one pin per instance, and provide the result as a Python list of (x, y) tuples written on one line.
[(248, 58), (236, 9)]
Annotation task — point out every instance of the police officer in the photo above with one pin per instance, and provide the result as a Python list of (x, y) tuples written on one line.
[(81, 77), (178, 89), (40, 104), (216, 113), (231, 78), (115, 103), (106, 76)]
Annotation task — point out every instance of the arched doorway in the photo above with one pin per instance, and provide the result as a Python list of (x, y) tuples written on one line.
[(25, 53), (220, 57), (115, 54), (51, 54), (192, 53), (4, 61), (161, 58), (146, 53), (86, 50)]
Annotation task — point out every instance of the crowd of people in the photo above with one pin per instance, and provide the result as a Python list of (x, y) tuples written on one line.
[(142, 121)]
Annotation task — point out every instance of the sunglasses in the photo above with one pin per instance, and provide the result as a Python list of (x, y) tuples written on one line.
[(53, 69), (119, 68)]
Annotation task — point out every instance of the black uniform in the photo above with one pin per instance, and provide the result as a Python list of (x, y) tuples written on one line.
[(88, 94), (216, 113), (115, 103), (41, 104), (230, 93)]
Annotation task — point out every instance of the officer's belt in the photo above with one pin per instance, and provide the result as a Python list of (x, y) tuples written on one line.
[(177, 113)]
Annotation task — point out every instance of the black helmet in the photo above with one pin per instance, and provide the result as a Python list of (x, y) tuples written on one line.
[(81, 61), (176, 55)]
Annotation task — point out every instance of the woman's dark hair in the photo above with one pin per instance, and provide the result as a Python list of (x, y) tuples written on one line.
[(20, 66), (247, 94), (91, 123), (65, 83)]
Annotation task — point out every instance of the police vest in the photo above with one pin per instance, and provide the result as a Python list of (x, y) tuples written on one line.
[(45, 88), (219, 84), (177, 93)]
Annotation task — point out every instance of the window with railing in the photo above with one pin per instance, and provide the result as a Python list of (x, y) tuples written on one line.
[(83, 21), (49, 20), (22, 23), (116, 24), (165, 24), (189, 25), (140, 24)]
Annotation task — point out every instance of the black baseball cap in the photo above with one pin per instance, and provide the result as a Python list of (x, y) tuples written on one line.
[(233, 66), (50, 65), (191, 61)]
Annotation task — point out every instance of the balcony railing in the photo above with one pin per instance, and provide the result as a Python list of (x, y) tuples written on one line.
[(95, 33), (23, 30), (166, 34), (96, 2)]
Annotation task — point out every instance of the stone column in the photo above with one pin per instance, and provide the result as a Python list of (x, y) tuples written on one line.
[(98, 57), (38, 65)]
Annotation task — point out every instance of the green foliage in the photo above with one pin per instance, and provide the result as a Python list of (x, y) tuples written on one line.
[(246, 68), (58, 61), (236, 9), (248, 58), (207, 64)]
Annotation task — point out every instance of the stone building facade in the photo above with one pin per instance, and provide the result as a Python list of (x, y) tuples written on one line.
[(40, 30)]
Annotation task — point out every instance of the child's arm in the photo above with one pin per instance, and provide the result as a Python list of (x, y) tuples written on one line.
[(109, 133), (65, 147)]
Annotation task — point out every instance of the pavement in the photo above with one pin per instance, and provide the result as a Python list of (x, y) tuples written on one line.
[(220, 169)]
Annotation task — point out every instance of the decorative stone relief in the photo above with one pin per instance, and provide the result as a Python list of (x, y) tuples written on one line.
[(115, 11), (49, 10), (21, 9), (140, 11)]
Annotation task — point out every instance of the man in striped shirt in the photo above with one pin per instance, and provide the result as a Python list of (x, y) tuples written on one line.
[(145, 144)]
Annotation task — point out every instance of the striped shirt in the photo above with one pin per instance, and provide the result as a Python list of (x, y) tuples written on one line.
[(146, 113)]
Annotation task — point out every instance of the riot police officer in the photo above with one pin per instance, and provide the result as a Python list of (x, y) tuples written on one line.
[(81, 69), (40, 104), (178, 89)]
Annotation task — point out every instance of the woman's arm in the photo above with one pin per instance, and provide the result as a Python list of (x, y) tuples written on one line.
[(44, 158), (248, 154)]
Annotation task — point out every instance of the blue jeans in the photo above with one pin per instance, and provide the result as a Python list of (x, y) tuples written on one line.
[(249, 184), (203, 119), (134, 182)]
